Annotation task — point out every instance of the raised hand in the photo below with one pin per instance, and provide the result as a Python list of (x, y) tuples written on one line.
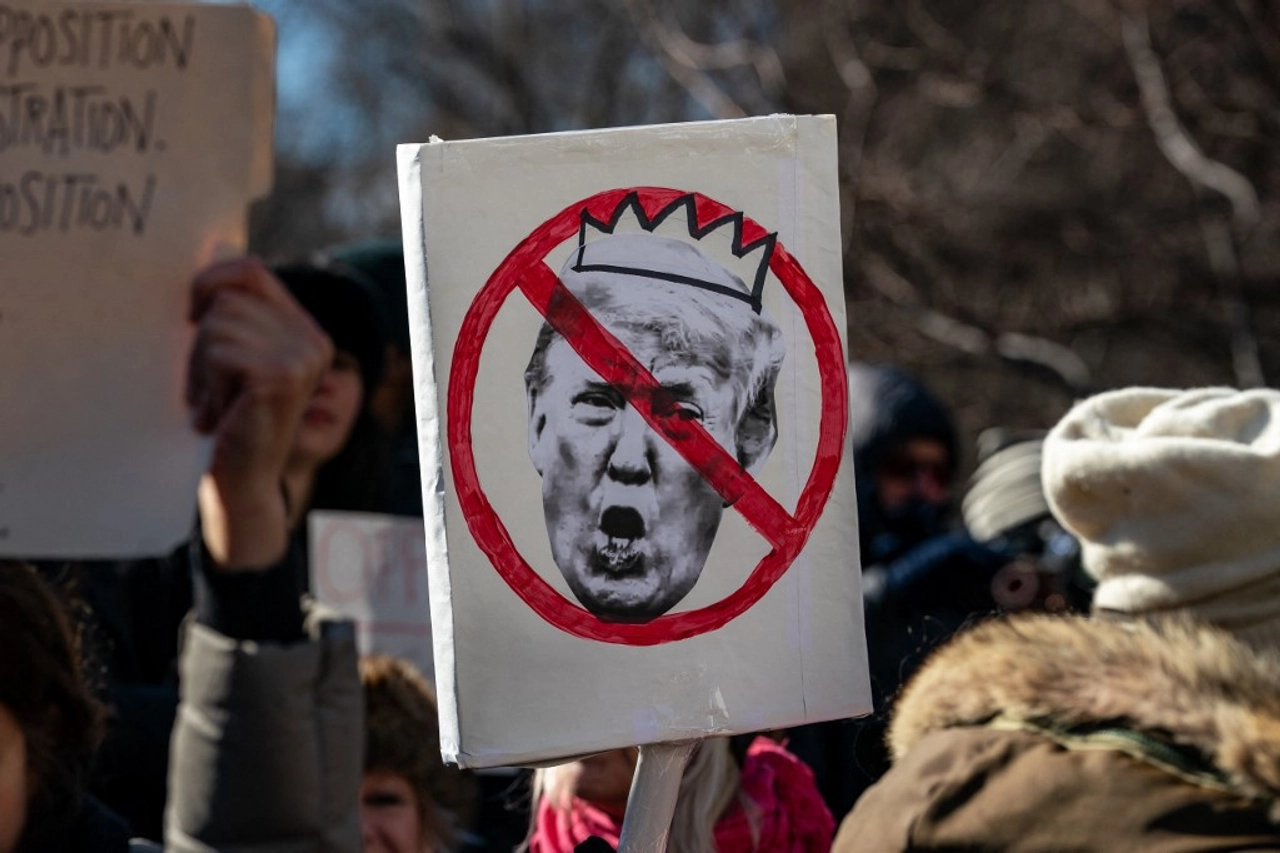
[(257, 358)]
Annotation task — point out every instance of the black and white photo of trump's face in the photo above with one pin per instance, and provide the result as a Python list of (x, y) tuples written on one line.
[(630, 521)]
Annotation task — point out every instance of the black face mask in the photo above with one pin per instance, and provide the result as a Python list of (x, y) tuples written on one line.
[(904, 527)]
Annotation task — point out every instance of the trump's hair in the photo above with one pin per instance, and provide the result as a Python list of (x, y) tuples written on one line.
[(742, 347)]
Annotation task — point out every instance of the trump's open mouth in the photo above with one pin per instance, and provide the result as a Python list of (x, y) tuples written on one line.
[(617, 548)]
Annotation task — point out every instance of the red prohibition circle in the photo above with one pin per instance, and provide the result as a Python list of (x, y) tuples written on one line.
[(524, 269)]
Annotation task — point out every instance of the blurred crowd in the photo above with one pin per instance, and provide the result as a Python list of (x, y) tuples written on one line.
[(1072, 648)]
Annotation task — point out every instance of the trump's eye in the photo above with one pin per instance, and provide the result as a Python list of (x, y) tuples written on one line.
[(602, 399), (596, 405), (679, 409), (686, 411)]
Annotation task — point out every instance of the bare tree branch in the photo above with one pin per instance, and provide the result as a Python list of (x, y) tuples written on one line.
[(1174, 141), (1204, 174), (858, 108), (1030, 133), (724, 55), (693, 78), (1220, 245), (1060, 360), (928, 30), (598, 101), (843, 52)]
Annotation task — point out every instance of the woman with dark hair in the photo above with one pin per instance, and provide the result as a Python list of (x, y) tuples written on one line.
[(50, 727)]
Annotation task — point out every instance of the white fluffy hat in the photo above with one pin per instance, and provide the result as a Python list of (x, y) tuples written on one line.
[(1175, 497)]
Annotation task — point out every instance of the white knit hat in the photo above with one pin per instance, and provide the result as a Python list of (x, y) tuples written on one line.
[(1175, 497)]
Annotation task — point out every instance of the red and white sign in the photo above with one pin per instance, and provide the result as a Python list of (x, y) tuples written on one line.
[(600, 292), (373, 569)]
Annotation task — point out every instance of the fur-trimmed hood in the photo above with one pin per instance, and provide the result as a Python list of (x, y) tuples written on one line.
[(1187, 683)]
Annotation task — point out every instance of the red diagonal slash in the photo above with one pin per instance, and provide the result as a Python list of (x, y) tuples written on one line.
[(610, 359)]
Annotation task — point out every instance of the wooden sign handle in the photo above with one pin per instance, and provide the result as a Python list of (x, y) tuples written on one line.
[(652, 800)]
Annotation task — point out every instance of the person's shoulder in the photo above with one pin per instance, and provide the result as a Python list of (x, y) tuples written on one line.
[(781, 784), (898, 812), (1074, 669), (986, 788), (1028, 705)]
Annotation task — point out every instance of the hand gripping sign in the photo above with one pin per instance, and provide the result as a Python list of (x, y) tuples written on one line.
[(609, 573)]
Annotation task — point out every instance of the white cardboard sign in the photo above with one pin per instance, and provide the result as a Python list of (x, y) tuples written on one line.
[(373, 569), (632, 410), (132, 138)]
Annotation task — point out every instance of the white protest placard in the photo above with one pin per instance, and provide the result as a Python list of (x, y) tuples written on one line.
[(372, 568), (632, 409), (132, 138)]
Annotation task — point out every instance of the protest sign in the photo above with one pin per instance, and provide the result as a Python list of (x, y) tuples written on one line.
[(132, 138), (373, 569), (630, 382)]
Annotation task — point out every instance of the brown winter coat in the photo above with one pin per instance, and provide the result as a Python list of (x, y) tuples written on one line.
[(1052, 734)]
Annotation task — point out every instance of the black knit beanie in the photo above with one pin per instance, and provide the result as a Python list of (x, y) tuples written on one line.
[(347, 308)]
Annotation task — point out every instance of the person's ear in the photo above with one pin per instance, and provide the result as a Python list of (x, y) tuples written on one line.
[(537, 429), (758, 431)]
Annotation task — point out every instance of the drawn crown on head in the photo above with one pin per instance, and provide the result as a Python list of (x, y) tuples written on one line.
[(680, 218)]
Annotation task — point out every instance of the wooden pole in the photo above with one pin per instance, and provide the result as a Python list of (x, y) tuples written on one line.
[(652, 800)]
